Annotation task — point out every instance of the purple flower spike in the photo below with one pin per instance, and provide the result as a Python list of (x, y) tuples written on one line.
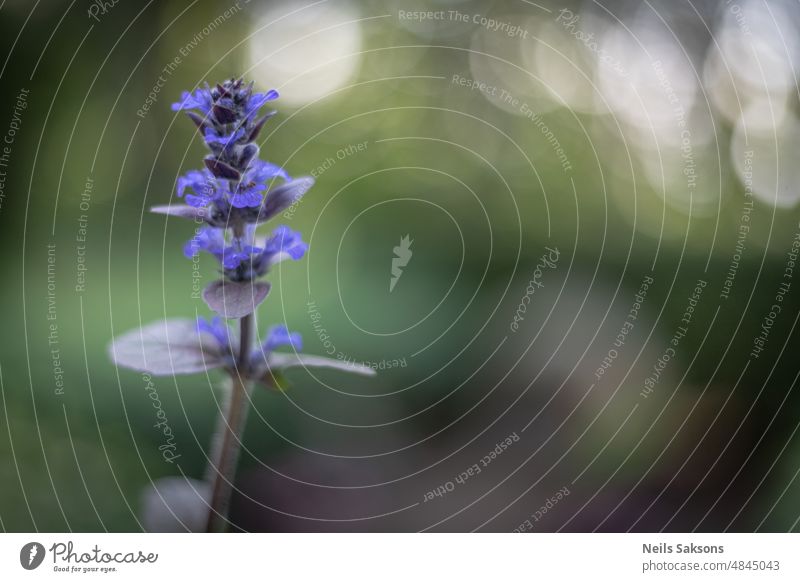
[(236, 190), (228, 198)]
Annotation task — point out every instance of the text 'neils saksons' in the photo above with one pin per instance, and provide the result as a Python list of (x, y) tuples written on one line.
[(664, 548)]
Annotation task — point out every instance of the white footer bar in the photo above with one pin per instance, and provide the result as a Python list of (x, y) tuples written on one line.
[(401, 557)]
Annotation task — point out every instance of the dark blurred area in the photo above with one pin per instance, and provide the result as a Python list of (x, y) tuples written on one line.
[(602, 198)]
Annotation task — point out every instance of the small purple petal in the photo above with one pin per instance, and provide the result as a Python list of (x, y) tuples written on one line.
[(261, 171), (258, 100), (279, 336), (248, 198), (197, 201)]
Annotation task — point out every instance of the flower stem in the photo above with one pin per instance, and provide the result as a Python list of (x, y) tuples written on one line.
[(224, 461)]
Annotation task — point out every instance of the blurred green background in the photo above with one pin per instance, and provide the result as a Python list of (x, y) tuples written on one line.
[(652, 181)]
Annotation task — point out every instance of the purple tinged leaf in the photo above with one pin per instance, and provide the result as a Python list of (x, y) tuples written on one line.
[(224, 115), (222, 170), (280, 198), (168, 347), (259, 124), (232, 299), (198, 120), (181, 210), (279, 361), (209, 214)]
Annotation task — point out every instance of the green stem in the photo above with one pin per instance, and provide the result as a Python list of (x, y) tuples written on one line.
[(225, 458)]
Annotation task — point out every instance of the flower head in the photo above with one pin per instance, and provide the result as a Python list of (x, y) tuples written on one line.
[(226, 115), (248, 192), (236, 190), (236, 187), (244, 258), (225, 103), (212, 240)]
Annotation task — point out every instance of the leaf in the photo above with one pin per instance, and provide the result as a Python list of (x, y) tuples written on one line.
[(232, 299), (220, 169), (181, 210), (258, 125), (209, 214), (224, 114), (280, 198), (278, 361), (198, 121), (163, 348), (176, 504)]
